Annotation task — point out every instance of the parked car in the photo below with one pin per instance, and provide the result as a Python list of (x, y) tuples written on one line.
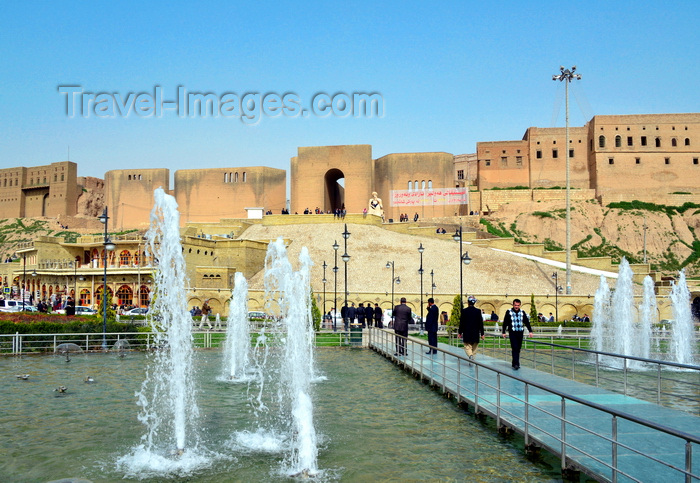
[(137, 311), (257, 315), (11, 305), (82, 310)]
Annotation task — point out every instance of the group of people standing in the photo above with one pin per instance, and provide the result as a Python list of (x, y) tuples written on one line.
[(360, 315)]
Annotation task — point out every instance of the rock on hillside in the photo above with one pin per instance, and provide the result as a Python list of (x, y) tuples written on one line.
[(671, 241)]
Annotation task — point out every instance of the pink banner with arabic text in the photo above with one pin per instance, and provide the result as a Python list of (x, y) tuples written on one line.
[(440, 196)]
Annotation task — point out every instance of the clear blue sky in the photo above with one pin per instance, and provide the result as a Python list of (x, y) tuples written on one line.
[(450, 74)]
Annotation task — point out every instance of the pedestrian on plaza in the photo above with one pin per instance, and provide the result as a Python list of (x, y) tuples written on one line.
[(431, 326), (352, 313), (344, 315), (402, 317), (360, 313), (471, 327), (378, 316), (515, 322), (369, 314)]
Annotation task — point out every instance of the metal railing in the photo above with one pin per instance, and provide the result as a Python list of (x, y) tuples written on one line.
[(666, 383), (27, 344), (553, 419)]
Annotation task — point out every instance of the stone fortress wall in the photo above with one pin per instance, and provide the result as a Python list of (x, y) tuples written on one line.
[(651, 157)]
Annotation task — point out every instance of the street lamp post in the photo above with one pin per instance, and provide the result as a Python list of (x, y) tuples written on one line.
[(464, 259), (108, 246), (24, 281), (555, 277), (420, 272), (346, 259), (394, 280), (567, 76), (335, 287), (432, 284), (324, 287)]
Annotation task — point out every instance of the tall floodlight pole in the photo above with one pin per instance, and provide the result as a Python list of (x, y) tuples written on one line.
[(108, 246), (346, 259), (335, 282), (420, 272), (24, 280), (324, 287), (567, 76)]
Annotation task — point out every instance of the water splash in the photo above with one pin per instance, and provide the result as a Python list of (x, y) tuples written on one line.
[(167, 396), (648, 318), (284, 361), (682, 330), (600, 332), (237, 344)]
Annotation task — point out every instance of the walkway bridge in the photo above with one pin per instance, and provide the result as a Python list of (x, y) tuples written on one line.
[(608, 435)]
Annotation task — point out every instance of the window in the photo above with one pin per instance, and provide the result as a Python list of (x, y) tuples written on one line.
[(519, 161), (460, 174), (695, 161), (422, 184), (430, 184), (62, 176), (618, 141), (504, 161), (125, 295), (55, 178), (225, 177), (673, 142), (571, 153), (637, 161), (687, 141), (144, 296), (125, 258), (630, 142), (85, 298), (539, 154), (611, 161), (410, 186), (555, 153), (487, 162), (667, 160), (601, 141), (244, 177), (644, 140), (235, 177), (658, 142)]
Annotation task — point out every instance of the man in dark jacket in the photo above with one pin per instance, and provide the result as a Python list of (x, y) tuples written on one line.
[(515, 321), (352, 313), (378, 316), (369, 313), (402, 317), (360, 314), (471, 327), (431, 326)]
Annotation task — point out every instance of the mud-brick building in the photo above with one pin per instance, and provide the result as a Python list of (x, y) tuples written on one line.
[(49, 190)]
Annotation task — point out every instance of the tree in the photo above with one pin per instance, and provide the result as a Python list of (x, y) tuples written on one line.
[(453, 323), (315, 313), (533, 310), (110, 310)]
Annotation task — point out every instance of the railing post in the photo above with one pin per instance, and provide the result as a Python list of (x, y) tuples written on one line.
[(563, 433), (87, 342), (498, 400), (527, 415), (688, 461), (624, 360), (614, 449), (476, 389)]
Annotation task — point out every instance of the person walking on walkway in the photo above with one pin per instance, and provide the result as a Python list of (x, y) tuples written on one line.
[(402, 317), (515, 321), (471, 327), (378, 316), (431, 326)]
